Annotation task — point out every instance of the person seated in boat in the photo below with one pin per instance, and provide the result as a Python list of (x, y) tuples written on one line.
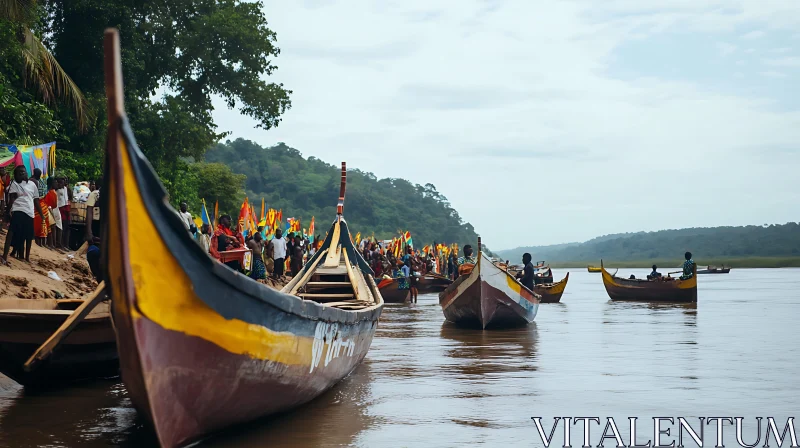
[(688, 266), (526, 275), (655, 274), (225, 238)]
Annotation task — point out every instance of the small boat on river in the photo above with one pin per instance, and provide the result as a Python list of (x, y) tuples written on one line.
[(432, 283), (88, 352), (714, 270), (593, 269), (203, 347), (488, 297), (391, 291), (551, 292), (665, 289)]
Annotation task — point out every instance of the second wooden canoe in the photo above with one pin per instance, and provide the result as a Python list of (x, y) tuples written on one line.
[(551, 292), (391, 292), (88, 352), (488, 297), (666, 289)]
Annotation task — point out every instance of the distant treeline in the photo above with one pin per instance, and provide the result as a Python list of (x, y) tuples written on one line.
[(773, 245), (310, 187)]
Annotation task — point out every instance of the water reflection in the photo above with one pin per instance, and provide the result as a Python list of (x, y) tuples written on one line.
[(333, 419), (481, 352), (91, 414)]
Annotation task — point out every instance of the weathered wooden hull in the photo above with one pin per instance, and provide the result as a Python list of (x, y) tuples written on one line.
[(432, 284), (391, 292), (650, 291), (89, 352), (202, 346), (714, 271), (488, 298), (552, 292)]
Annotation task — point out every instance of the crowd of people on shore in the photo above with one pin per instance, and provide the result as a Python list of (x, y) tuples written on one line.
[(38, 208)]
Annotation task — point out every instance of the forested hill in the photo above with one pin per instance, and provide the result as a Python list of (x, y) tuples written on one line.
[(310, 187), (704, 243)]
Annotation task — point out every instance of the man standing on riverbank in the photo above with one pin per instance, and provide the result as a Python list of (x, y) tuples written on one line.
[(277, 251)]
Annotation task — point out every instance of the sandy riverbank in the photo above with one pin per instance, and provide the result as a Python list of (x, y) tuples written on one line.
[(31, 281)]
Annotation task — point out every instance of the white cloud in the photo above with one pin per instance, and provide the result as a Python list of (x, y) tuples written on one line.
[(791, 61), (409, 89), (773, 74), (725, 48), (753, 35)]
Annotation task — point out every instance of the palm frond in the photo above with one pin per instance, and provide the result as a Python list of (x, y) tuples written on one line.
[(23, 11), (45, 72)]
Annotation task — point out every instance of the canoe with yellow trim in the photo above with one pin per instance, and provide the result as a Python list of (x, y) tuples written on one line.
[(203, 347), (488, 297), (593, 269), (551, 292), (542, 275), (666, 289)]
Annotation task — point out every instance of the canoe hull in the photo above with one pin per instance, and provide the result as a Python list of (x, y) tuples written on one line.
[(428, 284), (650, 291), (593, 269), (551, 293), (488, 298), (391, 292), (223, 388), (714, 271), (89, 352)]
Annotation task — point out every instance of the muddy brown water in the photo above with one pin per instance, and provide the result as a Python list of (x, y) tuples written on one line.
[(428, 383)]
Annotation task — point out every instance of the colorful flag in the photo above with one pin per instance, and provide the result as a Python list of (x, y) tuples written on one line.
[(216, 215), (244, 211), (261, 216), (311, 231), (358, 238), (204, 214)]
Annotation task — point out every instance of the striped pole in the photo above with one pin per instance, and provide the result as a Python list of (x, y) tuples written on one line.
[(340, 206)]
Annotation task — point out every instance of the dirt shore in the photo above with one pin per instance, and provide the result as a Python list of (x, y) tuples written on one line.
[(31, 281)]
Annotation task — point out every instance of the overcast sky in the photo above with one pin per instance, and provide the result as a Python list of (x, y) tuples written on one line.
[(552, 121)]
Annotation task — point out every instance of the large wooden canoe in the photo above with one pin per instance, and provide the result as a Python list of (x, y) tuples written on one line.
[(203, 347), (667, 289), (391, 292), (551, 292), (88, 352), (488, 297), (432, 283)]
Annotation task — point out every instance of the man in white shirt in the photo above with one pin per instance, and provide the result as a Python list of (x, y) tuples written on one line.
[(93, 212), (186, 217), (23, 197), (277, 251)]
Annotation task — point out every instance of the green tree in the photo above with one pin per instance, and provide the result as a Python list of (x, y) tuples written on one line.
[(192, 49)]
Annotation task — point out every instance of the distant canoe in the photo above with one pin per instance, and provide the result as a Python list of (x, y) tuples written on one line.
[(642, 290), (203, 347), (593, 269), (89, 352), (714, 270), (433, 283), (551, 292), (488, 297), (391, 292)]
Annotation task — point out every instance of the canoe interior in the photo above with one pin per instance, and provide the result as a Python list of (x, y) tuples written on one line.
[(89, 352)]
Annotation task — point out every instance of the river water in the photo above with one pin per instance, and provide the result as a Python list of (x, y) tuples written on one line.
[(427, 383)]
